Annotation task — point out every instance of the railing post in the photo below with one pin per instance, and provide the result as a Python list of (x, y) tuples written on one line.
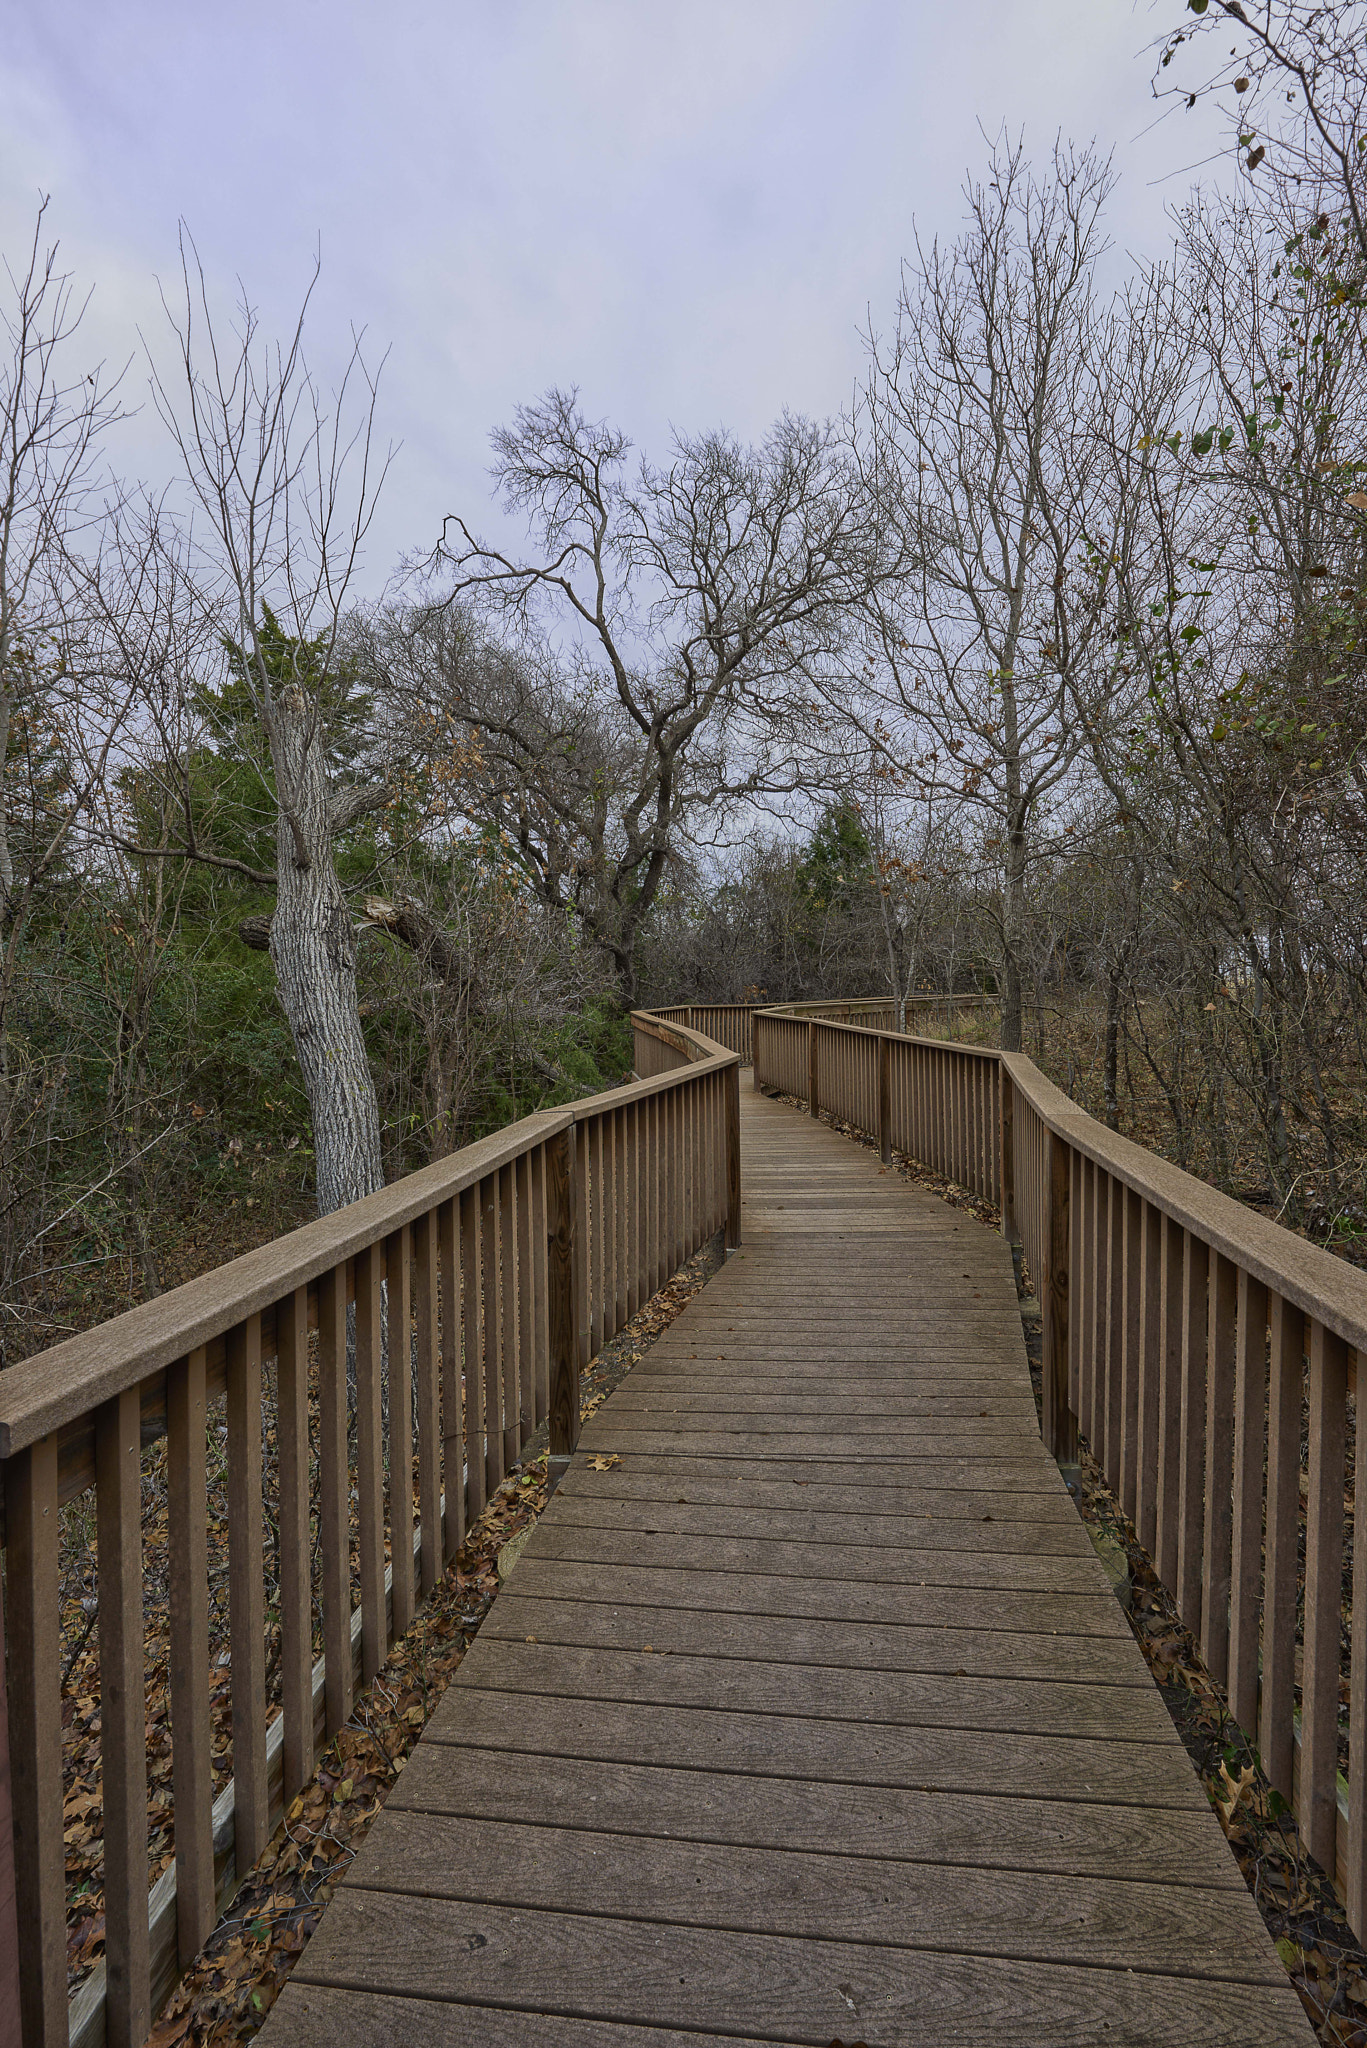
[(733, 1156), (562, 1276), (811, 1067), (35, 1717), (1060, 1423), (885, 1099), (9, 1919)]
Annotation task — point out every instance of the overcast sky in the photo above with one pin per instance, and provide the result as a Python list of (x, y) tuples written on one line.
[(687, 209)]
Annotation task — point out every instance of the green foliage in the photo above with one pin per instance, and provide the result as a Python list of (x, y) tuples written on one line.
[(838, 863)]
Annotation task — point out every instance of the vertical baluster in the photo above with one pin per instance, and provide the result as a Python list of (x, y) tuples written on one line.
[(492, 1286), (633, 1208), (295, 1550), (472, 1351), (540, 1336), (562, 1283), (1129, 1353), (731, 1085), (426, 1257), (1169, 1516), (455, 1395), (1222, 1316), (247, 1593), (621, 1124), (370, 1460), (1356, 1887), (1151, 1359), (123, 1718), (335, 1495), (35, 1716), (1285, 1390), (1085, 1300), (1115, 1324), (1191, 1482), (1077, 1259), (11, 1997), (187, 1549), (1323, 1595), (512, 1336), (1250, 1441), (526, 1300), (1060, 1425), (592, 1137), (581, 1242), (399, 1324), (650, 1193)]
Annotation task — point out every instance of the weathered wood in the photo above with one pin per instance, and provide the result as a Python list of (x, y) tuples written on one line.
[(188, 1553), (370, 1462), (1246, 1552), (1279, 1594), (35, 1718), (334, 1508), (426, 1281), (1167, 1533), (733, 1214), (246, 1593), (1318, 1804), (708, 1801), (1216, 1561), (1191, 1481), (399, 1330), (123, 1720), (10, 1996), (562, 1293), (1060, 1423), (644, 1972), (491, 1295), (472, 1353), (818, 1896), (450, 1248), (296, 1588)]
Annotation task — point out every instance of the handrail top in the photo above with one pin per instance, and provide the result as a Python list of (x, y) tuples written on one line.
[(1324, 1287), (981, 1052), (68, 1380)]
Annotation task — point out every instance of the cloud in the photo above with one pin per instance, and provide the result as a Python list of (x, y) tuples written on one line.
[(687, 210)]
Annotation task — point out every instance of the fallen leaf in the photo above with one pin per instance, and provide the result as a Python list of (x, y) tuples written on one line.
[(599, 1463)]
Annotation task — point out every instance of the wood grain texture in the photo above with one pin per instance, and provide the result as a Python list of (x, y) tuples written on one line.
[(188, 1549), (808, 1713)]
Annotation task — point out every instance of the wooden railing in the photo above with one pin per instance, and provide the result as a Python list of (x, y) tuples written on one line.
[(732, 1024), (453, 1314), (1196, 1345)]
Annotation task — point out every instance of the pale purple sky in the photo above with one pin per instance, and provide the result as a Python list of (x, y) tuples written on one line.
[(687, 209)]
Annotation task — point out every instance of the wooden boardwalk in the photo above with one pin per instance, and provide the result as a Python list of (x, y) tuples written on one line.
[(810, 1719)]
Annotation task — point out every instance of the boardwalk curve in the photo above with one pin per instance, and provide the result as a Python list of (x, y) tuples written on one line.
[(808, 1714)]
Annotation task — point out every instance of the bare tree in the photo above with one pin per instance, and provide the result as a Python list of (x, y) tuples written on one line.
[(1293, 82), (661, 622), (992, 414), (284, 489)]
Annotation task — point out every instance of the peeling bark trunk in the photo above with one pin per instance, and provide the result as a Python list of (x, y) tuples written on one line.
[(313, 946)]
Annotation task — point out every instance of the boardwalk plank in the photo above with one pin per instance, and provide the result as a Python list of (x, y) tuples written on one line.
[(861, 1898), (648, 1972), (982, 1830)]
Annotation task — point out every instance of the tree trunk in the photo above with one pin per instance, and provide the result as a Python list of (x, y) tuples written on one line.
[(313, 946)]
